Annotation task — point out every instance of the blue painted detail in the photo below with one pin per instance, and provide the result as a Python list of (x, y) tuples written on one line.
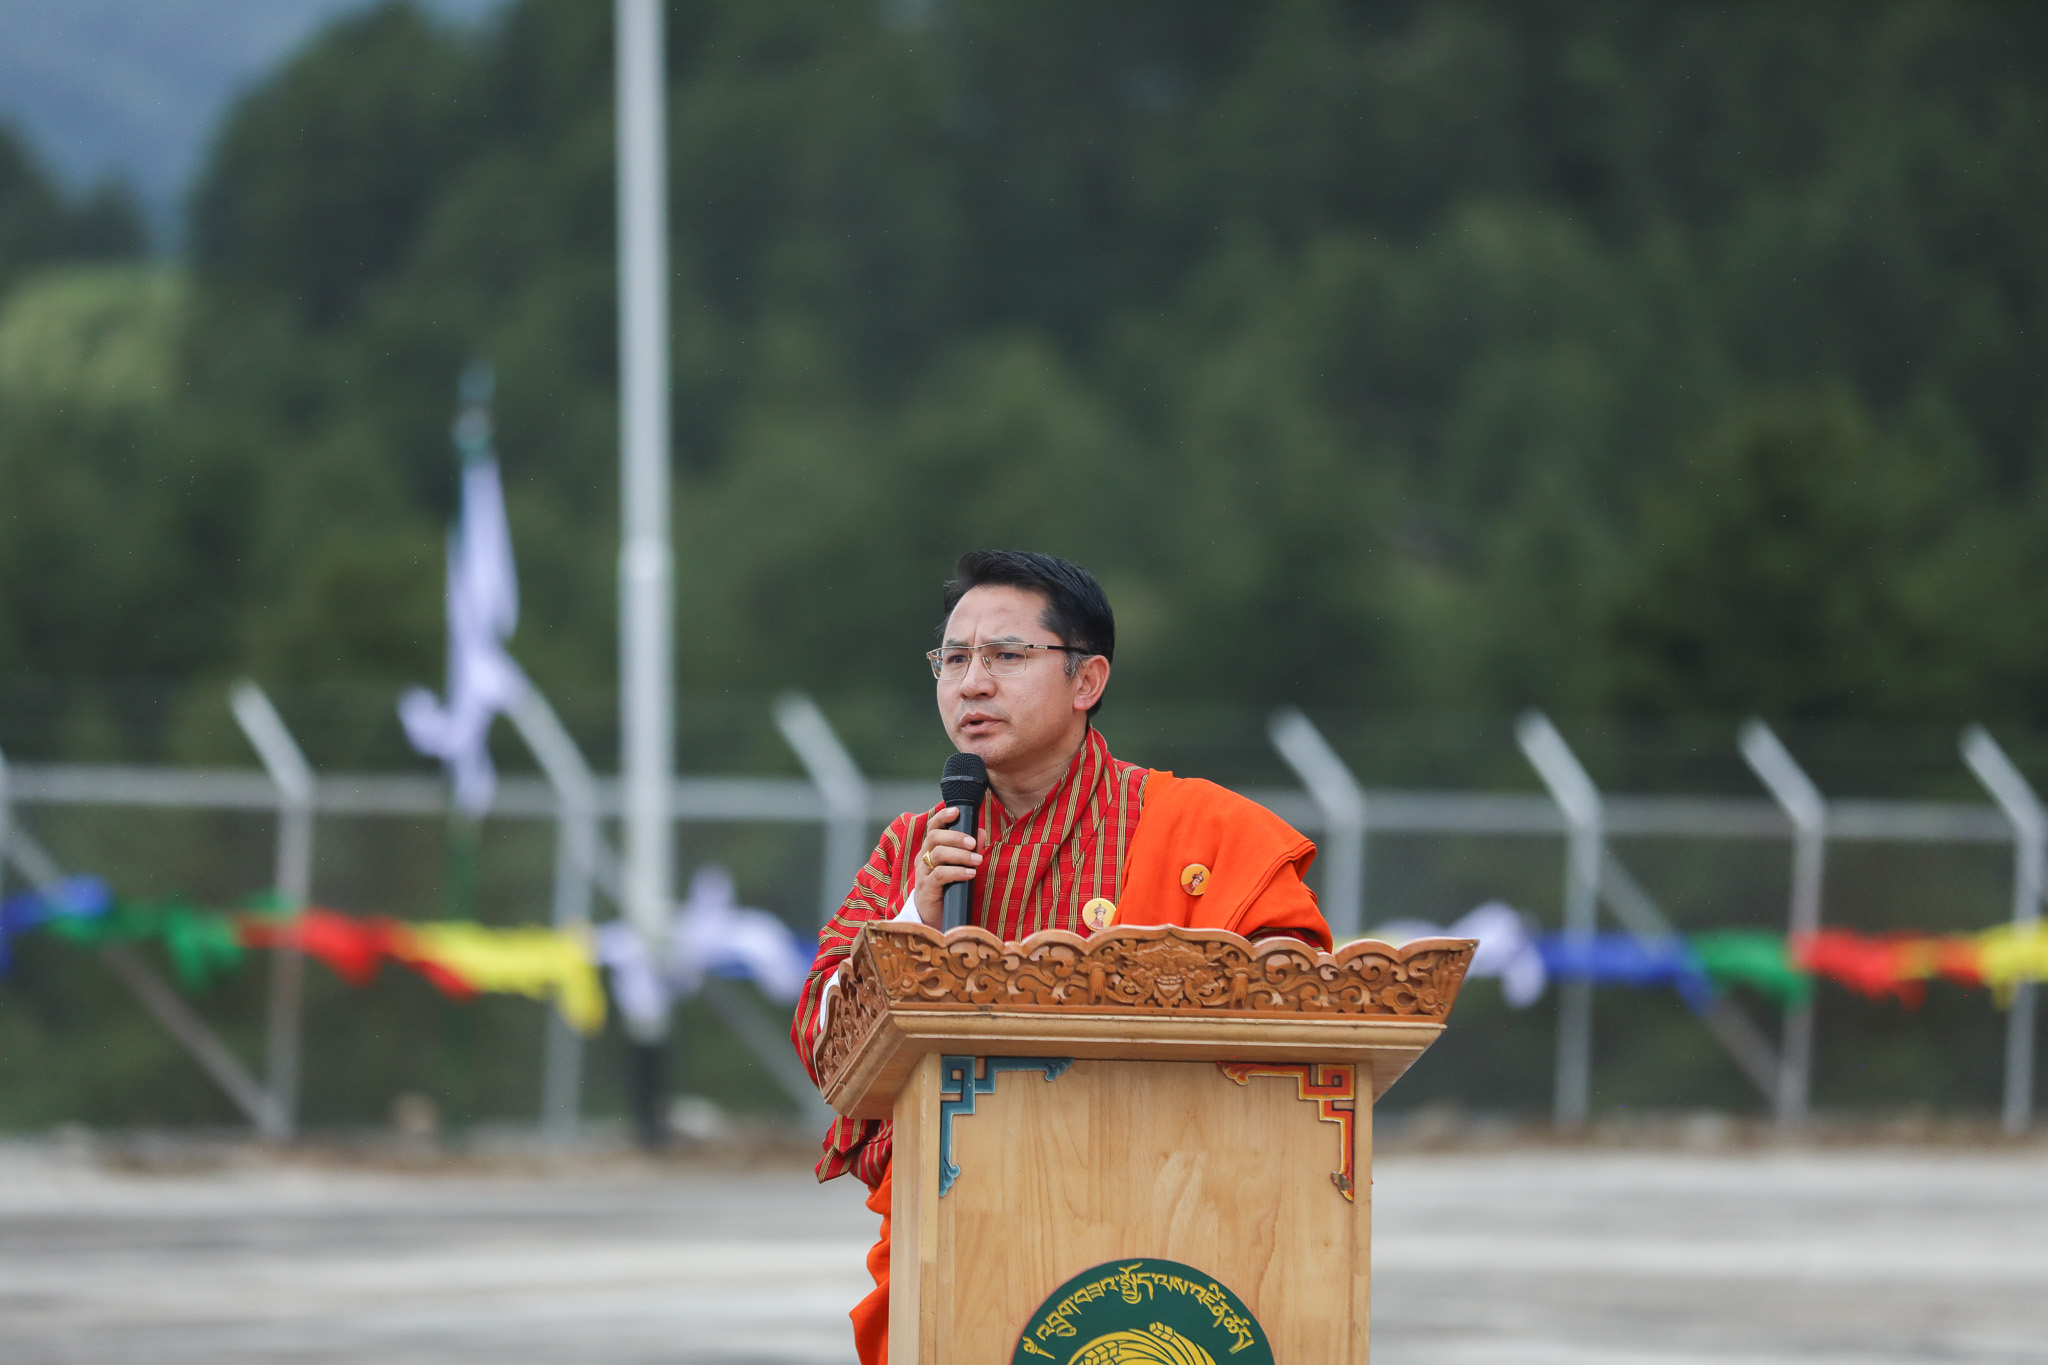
[(960, 1082)]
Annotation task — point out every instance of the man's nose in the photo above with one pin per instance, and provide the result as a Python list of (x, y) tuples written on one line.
[(979, 682)]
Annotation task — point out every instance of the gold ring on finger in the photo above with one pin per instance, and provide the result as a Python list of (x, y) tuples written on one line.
[(926, 858)]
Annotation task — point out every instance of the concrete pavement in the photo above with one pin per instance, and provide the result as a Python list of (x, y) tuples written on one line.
[(1531, 1256)]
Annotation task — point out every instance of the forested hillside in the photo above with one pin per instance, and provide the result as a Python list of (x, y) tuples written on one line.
[(1632, 358)]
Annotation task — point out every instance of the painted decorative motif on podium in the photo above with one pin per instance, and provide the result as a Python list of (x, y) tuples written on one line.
[(1143, 1312)]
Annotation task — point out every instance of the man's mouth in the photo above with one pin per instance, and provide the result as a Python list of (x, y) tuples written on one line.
[(978, 723)]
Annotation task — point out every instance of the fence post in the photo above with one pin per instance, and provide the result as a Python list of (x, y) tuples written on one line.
[(1804, 806), (1342, 801), (576, 841), (293, 777), (2015, 796), (1578, 800), (840, 786), (142, 981)]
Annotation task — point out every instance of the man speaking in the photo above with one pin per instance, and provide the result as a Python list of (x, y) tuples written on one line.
[(1070, 837)]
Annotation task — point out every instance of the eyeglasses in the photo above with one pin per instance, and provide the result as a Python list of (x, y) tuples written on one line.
[(1004, 659)]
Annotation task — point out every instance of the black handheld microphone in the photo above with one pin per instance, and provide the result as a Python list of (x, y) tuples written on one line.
[(962, 786)]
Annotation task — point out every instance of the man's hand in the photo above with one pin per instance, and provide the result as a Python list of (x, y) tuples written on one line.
[(948, 856)]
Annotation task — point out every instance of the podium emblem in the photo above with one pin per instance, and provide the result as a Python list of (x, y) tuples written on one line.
[(1143, 1312)]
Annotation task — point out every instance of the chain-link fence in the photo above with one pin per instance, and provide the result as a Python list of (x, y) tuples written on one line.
[(1933, 853)]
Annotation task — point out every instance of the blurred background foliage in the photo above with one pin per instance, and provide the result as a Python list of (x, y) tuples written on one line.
[(1627, 359), (1409, 360)]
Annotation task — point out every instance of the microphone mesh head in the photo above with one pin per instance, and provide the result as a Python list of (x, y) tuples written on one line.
[(965, 780)]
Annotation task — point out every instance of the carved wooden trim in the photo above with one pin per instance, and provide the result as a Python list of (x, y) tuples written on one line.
[(1333, 1089), (1158, 972), (860, 1009)]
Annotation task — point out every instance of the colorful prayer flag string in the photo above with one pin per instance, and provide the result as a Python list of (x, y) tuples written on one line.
[(1892, 966), (459, 959), (463, 959)]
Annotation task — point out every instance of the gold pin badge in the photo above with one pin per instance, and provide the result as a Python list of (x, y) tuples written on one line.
[(1194, 878), (1098, 914)]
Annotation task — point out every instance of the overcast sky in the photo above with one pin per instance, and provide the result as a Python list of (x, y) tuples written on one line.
[(133, 88)]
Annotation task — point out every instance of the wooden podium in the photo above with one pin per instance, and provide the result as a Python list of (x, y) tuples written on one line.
[(1152, 1147)]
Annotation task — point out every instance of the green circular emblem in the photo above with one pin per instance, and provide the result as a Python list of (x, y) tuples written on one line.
[(1143, 1313)]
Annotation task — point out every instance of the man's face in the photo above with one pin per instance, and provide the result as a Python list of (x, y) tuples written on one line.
[(1016, 721)]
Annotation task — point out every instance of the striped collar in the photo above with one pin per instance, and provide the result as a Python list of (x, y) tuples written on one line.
[(1052, 820)]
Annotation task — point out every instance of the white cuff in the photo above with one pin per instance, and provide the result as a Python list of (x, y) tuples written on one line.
[(909, 910), (825, 1012)]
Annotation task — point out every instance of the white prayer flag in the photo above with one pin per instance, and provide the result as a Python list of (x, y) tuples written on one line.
[(483, 610), (712, 935)]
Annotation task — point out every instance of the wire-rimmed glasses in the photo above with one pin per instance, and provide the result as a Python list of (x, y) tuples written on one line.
[(1002, 658)]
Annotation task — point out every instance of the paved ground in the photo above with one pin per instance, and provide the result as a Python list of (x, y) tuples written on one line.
[(1538, 1258), (1595, 1258)]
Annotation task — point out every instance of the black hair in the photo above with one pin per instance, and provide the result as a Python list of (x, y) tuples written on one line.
[(1076, 608)]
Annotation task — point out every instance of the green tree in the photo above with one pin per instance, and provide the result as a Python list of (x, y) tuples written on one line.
[(40, 223), (319, 183), (1355, 335), (1804, 565)]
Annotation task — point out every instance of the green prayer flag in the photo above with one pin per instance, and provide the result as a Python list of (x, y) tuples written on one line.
[(1744, 957), (200, 943)]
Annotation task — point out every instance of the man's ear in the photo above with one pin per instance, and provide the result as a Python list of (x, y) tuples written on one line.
[(1090, 681)]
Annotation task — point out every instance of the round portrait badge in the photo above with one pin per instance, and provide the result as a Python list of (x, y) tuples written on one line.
[(1143, 1312)]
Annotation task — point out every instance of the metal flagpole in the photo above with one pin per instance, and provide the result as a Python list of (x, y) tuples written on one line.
[(646, 562)]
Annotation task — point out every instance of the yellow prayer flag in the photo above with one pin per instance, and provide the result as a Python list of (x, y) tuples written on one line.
[(2010, 954), (547, 964)]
